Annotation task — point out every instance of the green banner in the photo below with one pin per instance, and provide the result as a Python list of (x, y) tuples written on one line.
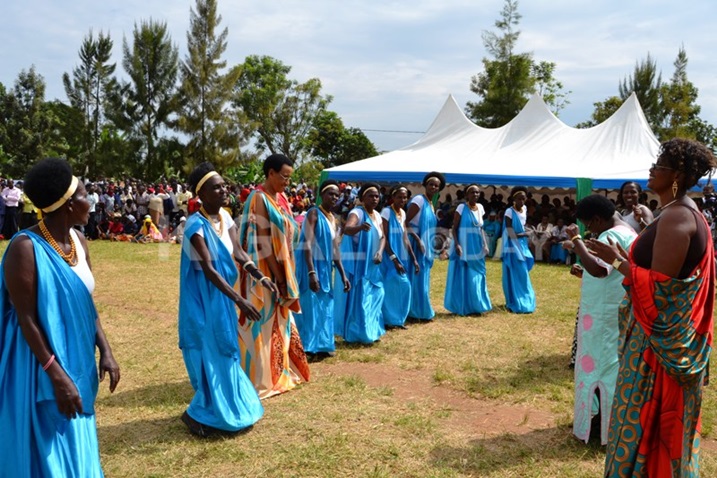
[(324, 176)]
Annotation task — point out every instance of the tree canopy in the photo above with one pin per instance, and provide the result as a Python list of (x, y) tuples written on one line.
[(509, 78)]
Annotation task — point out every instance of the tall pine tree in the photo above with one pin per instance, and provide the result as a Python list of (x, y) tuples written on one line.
[(214, 133), (88, 90), (679, 102), (147, 101), (509, 78)]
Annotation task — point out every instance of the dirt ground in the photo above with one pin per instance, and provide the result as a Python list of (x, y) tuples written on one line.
[(470, 416)]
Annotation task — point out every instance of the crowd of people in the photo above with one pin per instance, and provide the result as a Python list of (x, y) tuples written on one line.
[(266, 291)]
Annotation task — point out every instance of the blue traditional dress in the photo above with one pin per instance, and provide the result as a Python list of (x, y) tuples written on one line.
[(423, 224), (397, 303), (466, 288), (36, 439), (208, 335), (358, 314), (316, 319), (596, 361), (492, 230), (517, 263)]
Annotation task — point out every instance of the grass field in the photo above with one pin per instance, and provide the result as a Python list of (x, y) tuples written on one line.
[(486, 396)]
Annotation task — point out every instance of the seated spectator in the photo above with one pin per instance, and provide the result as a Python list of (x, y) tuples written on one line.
[(540, 239), (557, 236), (148, 232), (177, 234)]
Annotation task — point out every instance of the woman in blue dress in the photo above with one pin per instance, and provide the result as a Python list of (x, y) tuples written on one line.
[(492, 229), (517, 259), (421, 226), (397, 258), (225, 399), (358, 314), (466, 288), (49, 333), (316, 251)]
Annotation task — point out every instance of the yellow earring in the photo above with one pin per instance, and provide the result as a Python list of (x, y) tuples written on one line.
[(674, 189)]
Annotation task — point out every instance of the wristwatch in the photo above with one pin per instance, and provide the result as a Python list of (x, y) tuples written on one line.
[(616, 263)]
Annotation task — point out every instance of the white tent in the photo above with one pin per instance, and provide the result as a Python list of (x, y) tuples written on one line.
[(534, 149)]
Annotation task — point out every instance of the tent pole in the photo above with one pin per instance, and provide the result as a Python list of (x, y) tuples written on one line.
[(584, 187)]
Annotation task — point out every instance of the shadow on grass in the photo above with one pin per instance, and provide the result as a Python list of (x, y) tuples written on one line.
[(536, 373), (507, 451), (162, 395), (150, 436)]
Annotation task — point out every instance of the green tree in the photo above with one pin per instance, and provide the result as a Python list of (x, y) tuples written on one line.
[(30, 128), (333, 144), (509, 78), (71, 126), (506, 81), (281, 111), (205, 92), (646, 83), (309, 172), (704, 132), (679, 98), (88, 90), (4, 159), (552, 90), (143, 107), (603, 110)]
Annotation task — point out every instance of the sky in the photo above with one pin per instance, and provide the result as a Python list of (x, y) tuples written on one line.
[(390, 65)]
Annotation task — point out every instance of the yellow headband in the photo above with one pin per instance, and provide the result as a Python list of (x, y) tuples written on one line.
[(477, 188), (205, 178), (68, 194), (329, 186), (519, 192), (363, 193)]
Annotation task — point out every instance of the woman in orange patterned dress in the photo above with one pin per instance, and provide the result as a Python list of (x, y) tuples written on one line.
[(271, 350)]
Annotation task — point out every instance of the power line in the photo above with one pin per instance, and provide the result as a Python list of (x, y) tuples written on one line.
[(391, 131)]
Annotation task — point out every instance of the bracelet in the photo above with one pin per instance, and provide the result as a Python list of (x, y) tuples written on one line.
[(247, 264), (392, 257), (575, 237), (49, 362), (312, 272), (263, 278)]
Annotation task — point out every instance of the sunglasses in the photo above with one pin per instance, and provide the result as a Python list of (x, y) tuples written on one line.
[(660, 166)]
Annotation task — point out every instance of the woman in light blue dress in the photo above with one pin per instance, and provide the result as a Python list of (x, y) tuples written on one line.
[(598, 332), (316, 255), (224, 397), (358, 313), (516, 255), (49, 334), (466, 288), (421, 226), (398, 257)]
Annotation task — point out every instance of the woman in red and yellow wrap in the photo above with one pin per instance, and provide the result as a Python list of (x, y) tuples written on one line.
[(665, 325)]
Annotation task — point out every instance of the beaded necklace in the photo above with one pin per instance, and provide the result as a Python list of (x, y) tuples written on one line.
[(219, 231), (70, 258)]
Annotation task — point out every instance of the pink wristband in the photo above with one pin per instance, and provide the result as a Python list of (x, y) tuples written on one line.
[(49, 362)]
